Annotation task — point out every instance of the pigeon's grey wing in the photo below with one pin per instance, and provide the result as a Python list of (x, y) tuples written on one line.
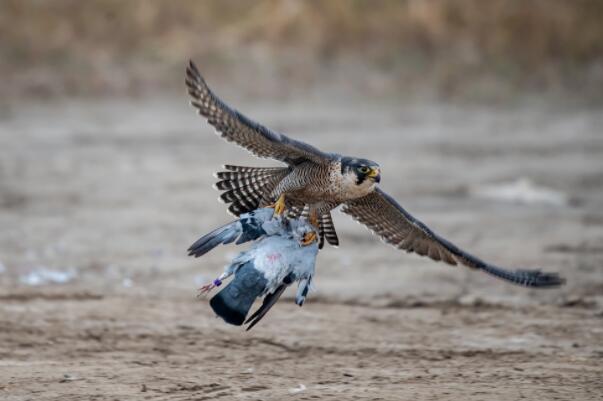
[(223, 235), (235, 127), (253, 224), (249, 227), (269, 301), (386, 218)]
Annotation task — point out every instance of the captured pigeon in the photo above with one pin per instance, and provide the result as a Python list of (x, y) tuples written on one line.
[(284, 253)]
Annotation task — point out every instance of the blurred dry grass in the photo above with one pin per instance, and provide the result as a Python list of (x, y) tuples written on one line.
[(70, 46)]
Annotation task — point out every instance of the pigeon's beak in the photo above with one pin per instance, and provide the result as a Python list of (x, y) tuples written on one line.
[(375, 174)]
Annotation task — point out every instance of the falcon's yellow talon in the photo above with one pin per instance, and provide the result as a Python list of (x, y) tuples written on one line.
[(309, 238), (279, 206)]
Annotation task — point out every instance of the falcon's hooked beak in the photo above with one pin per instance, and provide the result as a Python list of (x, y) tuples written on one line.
[(375, 174)]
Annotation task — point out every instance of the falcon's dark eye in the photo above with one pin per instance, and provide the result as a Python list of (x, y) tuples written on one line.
[(364, 169)]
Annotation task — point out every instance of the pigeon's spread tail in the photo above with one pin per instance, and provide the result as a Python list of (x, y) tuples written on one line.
[(223, 235), (234, 302)]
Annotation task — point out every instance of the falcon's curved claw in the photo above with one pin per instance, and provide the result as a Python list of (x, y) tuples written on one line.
[(309, 238), (279, 206)]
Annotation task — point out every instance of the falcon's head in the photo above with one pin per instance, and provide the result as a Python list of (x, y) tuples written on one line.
[(363, 173)]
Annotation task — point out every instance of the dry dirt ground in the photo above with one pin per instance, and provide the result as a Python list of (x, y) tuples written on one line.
[(100, 199)]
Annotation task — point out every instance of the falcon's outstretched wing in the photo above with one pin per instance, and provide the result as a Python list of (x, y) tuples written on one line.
[(235, 127), (386, 218)]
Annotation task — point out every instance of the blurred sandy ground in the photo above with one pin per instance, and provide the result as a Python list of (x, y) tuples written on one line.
[(485, 116)]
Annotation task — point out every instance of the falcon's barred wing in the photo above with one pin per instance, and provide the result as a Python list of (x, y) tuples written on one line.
[(235, 127), (385, 217)]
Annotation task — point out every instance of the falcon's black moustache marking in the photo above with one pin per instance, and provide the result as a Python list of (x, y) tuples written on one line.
[(356, 166), (360, 179)]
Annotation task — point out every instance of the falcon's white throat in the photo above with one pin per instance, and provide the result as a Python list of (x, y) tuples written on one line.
[(350, 189)]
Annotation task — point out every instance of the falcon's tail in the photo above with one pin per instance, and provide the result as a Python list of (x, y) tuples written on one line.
[(248, 188), (327, 230)]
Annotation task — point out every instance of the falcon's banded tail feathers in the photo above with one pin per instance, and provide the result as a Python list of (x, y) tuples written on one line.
[(326, 229), (248, 188)]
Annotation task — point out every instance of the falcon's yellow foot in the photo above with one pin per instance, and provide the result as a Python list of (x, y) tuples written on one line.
[(309, 238), (279, 206)]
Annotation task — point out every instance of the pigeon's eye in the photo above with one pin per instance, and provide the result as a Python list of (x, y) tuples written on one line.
[(364, 169)]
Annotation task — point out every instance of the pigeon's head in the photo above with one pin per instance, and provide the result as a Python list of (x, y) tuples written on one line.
[(301, 230)]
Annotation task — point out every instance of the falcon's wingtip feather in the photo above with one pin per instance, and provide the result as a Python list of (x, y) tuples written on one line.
[(527, 278), (192, 67), (194, 82)]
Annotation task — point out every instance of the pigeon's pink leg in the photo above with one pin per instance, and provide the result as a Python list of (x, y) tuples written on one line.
[(210, 286)]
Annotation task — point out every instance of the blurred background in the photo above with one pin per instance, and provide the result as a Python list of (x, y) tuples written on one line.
[(444, 48), (487, 120), (483, 114)]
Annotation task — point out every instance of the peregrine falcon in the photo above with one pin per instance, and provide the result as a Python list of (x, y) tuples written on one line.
[(314, 182)]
